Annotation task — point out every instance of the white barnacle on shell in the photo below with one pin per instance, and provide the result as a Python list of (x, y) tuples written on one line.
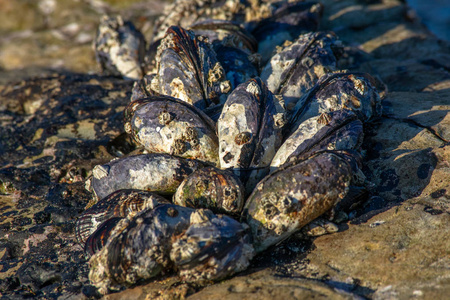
[(100, 171), (253, 88)]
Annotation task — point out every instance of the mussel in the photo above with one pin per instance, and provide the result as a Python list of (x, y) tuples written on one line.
[(188, 69), (200, 245), (227, 33), (250, 131), (142, 88), (284, 21), (296, 67), (161, 173), (120, 48), (163, 124), (217, 133), (339, 90), (336, 130), (138, 248), (118, 205), (187, 12), (289, 198), (218, 190), (213, 248)]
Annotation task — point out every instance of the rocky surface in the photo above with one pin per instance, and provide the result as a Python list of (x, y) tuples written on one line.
[(37, 37), (56, 127)]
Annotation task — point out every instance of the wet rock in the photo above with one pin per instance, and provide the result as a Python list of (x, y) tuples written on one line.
[(55, 128), (78, 112), (46, 154), (42, 217), (436, 194), (37, 276), (9, 284), (66, 201), (404, 161)]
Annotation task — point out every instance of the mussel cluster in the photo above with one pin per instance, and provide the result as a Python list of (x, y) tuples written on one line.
[(250, 132)]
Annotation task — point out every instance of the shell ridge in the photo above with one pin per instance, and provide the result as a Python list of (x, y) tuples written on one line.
[(187, 43), (328, 130), (298, 60), (322, 83)]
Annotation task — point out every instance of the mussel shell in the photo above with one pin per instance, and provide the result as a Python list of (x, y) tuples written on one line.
[(142, 88), (359, 188), (187, 12), (119, 48), (188, 69), (339, 90), (297, 67), (100, 236), (225, 32), (164, 124), (214, 112), (285, 23), (118, 204), (212, 248), (159, 173), (139, 248), (236, 63), (336, 130), (293, 196), (218, 190), (249, 129)]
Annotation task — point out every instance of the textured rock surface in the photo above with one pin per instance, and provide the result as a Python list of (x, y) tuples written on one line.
[(40, 36), (54, 129)]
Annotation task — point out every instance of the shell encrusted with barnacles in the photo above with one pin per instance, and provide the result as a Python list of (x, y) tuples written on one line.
[(249, 132)]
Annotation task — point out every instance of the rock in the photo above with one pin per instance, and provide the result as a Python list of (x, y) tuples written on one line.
[(41, 36), (158, 290), (259, 285), (401, 170), (264, 285), (44, 167), (410, 75), (436, 195), (71, 109), (408, 240), (426, 109), (401, 153), (56, 127), (347, 14)]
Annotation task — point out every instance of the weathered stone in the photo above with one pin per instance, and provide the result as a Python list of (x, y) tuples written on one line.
[(428, 109), (402, 161), (338, 14), (437, 193), (264, 285), (50, 34), (259, 285), (410, 75), (409, 241), (55, 129)]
